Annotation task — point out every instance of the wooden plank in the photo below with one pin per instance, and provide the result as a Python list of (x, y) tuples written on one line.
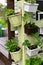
[(4, 59)]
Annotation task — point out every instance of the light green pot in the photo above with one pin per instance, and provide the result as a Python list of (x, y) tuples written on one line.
[(16, 56), (15, 20)]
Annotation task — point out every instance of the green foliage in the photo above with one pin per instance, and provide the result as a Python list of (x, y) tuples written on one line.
[(2, 10), (10, 12), (30, 24), (38, 38), (38, 42), (27, 62), (30, 1), (28, 15), (34, 61), (3, 22), (3, 17), (5, 11), (12, 45), (27, 43)]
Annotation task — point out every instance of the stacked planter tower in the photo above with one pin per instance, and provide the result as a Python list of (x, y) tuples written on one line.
[(17, 22)]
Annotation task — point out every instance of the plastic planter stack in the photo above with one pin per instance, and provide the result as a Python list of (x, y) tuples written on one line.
[(17, 22), (32, 8)]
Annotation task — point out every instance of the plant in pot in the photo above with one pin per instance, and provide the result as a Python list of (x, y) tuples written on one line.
[(9, 12), (30, 6), (14, 49), (34, 61), (28, 16), (33, 49), (14, 18), (39, 40), (30, 28)]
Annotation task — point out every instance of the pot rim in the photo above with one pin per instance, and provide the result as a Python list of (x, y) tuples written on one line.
[(33, 49), (16, 51), (13, 15), (31, 27), (27, 3)]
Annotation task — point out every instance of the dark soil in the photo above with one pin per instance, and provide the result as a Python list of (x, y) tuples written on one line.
[(29, 30), (32, 47), (18, 49)]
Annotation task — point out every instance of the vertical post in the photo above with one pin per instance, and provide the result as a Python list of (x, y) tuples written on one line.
[(21, 34), (15, 4), (23, 60), (10, 5)]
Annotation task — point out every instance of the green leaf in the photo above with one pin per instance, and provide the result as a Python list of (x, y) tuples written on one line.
[(12, 45)]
